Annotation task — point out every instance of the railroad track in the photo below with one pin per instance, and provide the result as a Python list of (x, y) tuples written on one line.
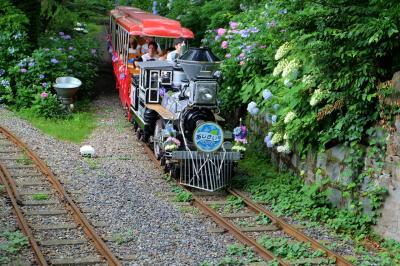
[(57, 230), (247, 212)]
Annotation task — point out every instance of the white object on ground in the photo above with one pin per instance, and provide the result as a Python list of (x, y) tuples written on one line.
[(87, 150)]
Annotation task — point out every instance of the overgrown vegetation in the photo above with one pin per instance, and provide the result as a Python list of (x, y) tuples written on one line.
[(11, 243), (288, 195), (28, 68)]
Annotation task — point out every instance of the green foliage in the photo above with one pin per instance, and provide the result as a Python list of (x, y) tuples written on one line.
[(12, 244), (75, 128), (233, 203), (124, 237), (263, 219), (183, 196), (238, 255), (40, 196), (290, 250), (2, 188)]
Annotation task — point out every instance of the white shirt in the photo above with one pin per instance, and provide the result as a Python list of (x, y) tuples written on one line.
[(147, 57), (145, 48), (171, 56)]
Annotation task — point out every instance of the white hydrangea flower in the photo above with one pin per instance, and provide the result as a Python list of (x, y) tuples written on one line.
[(287, 83), (283, 148), (276, 138), (291, 70), (308, 80), (285, 136), (289, 117), (317, 97), (282, 51), (279, 67)]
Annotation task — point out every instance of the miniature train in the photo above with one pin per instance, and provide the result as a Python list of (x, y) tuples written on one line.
[(173, 107)]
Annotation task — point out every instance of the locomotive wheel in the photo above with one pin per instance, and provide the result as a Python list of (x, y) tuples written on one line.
[(157, 138), (139, 134)]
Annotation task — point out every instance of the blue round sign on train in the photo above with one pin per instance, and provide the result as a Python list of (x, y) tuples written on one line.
[(208, 137)]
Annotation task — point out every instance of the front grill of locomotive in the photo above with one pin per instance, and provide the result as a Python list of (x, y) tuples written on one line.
[(207, 168)]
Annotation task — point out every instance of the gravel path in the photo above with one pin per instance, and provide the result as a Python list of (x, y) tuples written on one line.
[(123, 186)]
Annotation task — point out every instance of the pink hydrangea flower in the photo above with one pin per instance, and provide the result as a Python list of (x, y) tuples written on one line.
[(224, 44), (233, 25), (241, 63), (221, 31), (241, 55), (44, 95)]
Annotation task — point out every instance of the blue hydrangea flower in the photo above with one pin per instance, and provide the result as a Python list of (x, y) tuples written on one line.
[(5, 83), (17, 36), (41, 76), (11, 50), (2, 72), (236, 131), (274, 118), (54, 61), (276, 107), (31, 64), (267, 94)]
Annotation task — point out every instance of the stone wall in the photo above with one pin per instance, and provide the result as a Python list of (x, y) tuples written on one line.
[(331, 164)]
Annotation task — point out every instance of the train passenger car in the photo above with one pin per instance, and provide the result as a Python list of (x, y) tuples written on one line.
[(173, 105)]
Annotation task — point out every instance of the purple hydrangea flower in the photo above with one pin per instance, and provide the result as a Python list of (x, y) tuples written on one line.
[(162, 91), (67, 37), (61, 33), (41, 76), (70, 48), (233, 25), (228, 55), (93, 51), (244, 33), (44, 84), (217, 38), (31, 64), (54, 61), (23, 70)]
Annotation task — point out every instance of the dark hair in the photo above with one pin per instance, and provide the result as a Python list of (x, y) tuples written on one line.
[(154, 44), (178, 41)]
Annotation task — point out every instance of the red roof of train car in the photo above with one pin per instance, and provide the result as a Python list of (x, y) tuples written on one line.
[(139, 22)]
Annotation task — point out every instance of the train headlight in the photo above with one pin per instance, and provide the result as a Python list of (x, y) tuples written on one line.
[(205, 93)]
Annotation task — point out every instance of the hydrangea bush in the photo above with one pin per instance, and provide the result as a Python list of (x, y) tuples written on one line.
[(26, 76)]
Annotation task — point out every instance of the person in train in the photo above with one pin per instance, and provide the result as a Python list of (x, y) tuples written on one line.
[(151, 54), (178, 43)]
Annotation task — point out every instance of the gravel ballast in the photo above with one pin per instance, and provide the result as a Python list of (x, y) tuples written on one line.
[(123, 187)]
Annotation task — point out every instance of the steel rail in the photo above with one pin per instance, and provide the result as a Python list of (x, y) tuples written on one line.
[(224, 223), (23, 224), (77, 214), (236, 232), (290, 230)]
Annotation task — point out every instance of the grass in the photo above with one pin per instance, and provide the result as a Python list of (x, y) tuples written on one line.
[(74, 129), (40, 196)]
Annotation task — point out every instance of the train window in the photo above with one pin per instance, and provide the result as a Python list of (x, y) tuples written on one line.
[(154, 79), (166, 77)]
